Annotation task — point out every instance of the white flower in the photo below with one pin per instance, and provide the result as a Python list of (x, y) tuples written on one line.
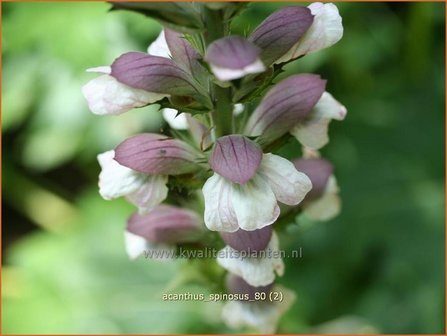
[(175, 119), (261, 316), (256, 271), (115, 180), (136, 246), (253, 205), (105, 95), (327, 206), (313, 131), (325, 31)]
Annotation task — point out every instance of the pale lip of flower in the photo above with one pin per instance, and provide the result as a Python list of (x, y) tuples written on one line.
[(325, 31), (175, 119), (285, 105), (247, 185), (115, 180), (313, 131), (327, 206), (159, 47), (105, 95), (256, 271), (261, 316), (280, 31), (233, 57)]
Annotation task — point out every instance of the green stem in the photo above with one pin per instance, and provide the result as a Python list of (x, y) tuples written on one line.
[(222, 114)]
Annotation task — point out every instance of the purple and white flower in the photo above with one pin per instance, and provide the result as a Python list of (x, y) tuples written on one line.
[(247, 185), (325, 31), (144, 191), (106, 95), (284, 106), (312, 132), (280, 31)]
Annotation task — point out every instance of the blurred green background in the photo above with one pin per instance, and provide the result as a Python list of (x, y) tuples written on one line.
[(378, 267)]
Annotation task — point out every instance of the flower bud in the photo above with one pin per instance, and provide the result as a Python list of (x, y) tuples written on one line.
[(236, 158), (281, 31), (319, 171), (248, 241), (156, 154), (288, 102), (237, 285), (233, 57), (166, 224)]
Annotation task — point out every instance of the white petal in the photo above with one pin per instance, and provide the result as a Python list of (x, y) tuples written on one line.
[(256, 271), (226, 74), (313, 132), (328, 107), (116, 180), (219, 211), (136, 246), (105, 95), (150, 194), (105, 69), (174, 119), (254, 204), (327, 206), (264, 317), (238, 109), (289, 185), (325, 31), (159, 47)]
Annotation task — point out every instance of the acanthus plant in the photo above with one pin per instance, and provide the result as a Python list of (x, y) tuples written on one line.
[(215, 169)]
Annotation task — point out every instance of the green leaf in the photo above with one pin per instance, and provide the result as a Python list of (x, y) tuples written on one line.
[(178, 16)]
